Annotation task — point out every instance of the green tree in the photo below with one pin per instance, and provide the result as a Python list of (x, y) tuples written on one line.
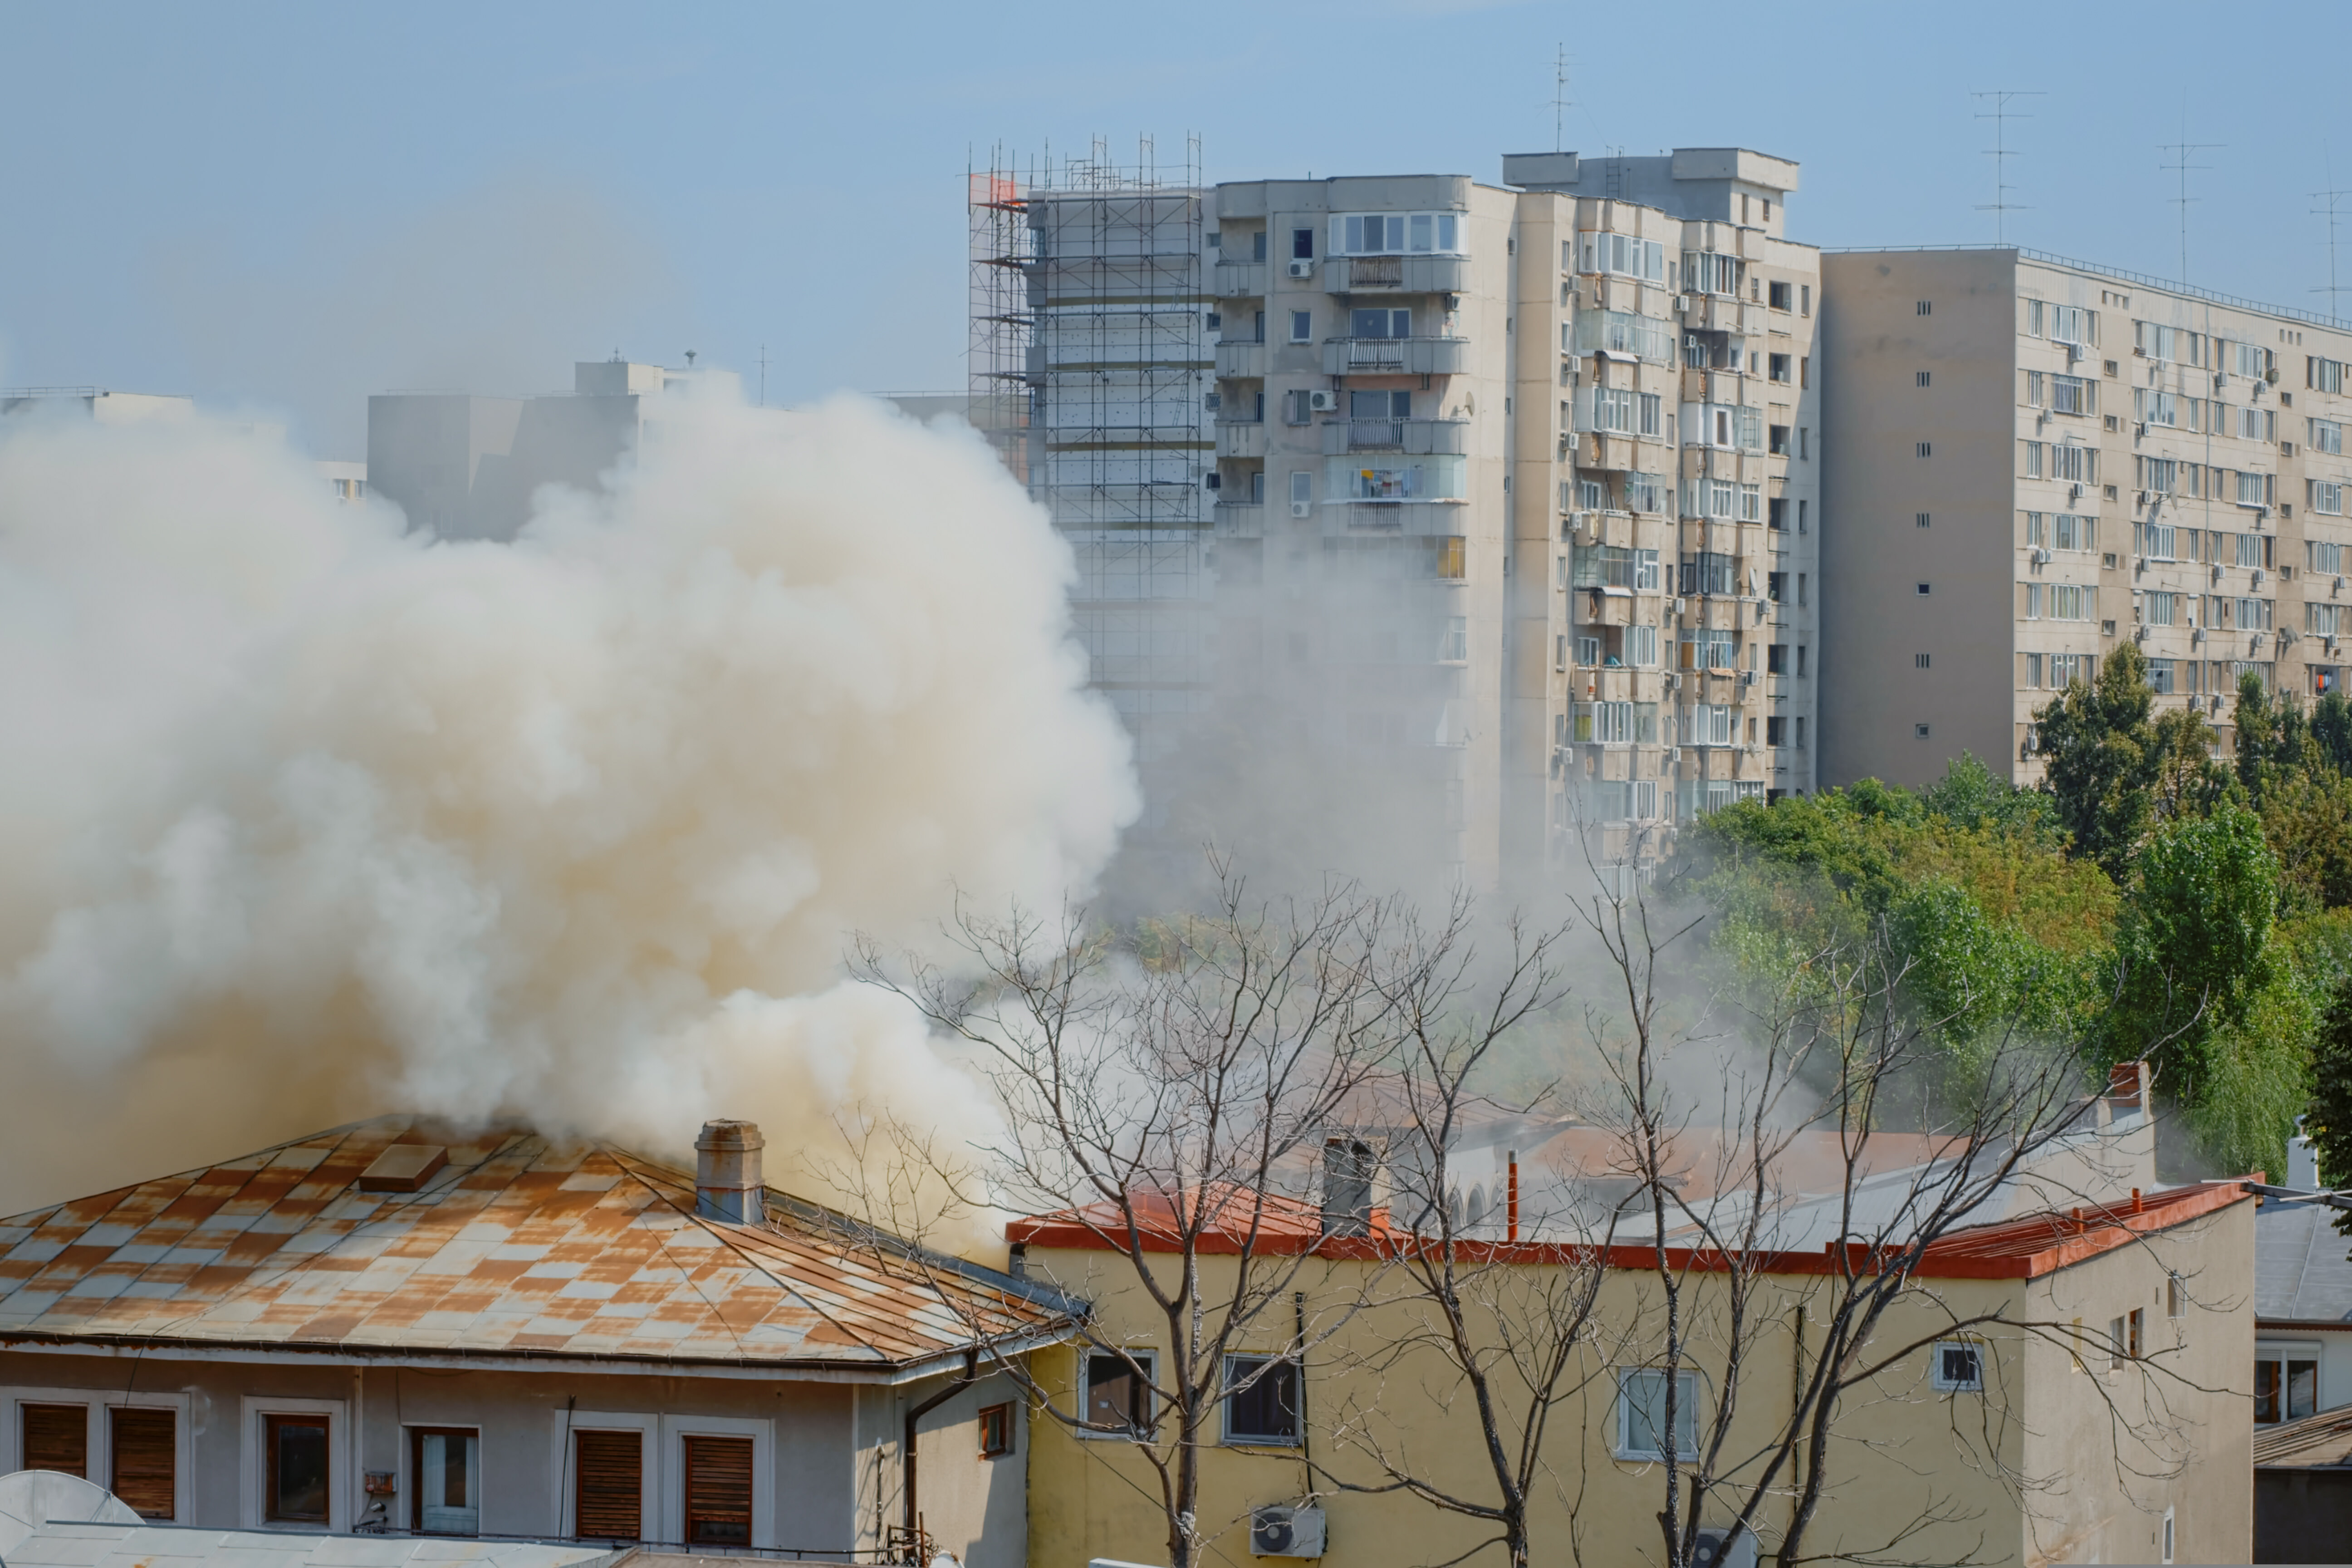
[(2327, 1120), (2116, 770)]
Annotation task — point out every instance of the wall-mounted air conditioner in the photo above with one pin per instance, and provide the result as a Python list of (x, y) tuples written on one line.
[(1286, 1531), (1302, 268), (2259, 576), (1323, 402), (1302, 507), (1723, 1549), (2041, 557)]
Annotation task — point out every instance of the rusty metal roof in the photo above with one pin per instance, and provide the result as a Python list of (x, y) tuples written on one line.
[(516, 1247)]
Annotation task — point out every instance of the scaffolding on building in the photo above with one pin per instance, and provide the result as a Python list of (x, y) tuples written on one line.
[(1090, 372)]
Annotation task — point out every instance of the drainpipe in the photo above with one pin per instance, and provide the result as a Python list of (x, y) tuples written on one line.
[(907, 1451), (1513, 1232)]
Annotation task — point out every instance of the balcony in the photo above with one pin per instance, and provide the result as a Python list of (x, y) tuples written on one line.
[(1241, 439), (1418, 437), (1415, 517), (1722, 313), (1397, 274), (1240, 519), (1241, 361), (1240, 279), (1395, 356)]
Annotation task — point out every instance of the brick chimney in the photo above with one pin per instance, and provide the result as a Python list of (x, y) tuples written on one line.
[(726, 1173), (2127, 1087)]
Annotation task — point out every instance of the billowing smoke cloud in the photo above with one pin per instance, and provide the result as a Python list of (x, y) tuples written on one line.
[(304, 818)]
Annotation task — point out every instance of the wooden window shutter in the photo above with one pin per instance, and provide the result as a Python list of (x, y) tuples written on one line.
[(146, 1451), (56, 1437), (718, 1491), (609, 1469)]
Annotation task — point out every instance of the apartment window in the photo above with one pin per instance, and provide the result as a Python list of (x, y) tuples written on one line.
[(445, 1481), (995, 1431), (1919, 731), (1776, 731), (54, 1437), (1302, 244), (1627, 255), (1257, 246), (1257, 486), (1958, 1367), (2033, 388), (1642, 1424), (2033, 672), (295, 1469), (1302, 491), (717, 1491), (1775, 658), (1804, 442), (1257, 327), (1751, 503), (1380, 323), (1923, 589), (1927, 448), (1919, 519), (1641, 647), (1118, 1392), (2327, 497), (1800, 528), (1926, 308), (1777, 441), (1395, 234), (1919, 378), (2253, 489), (1653, 413), (1454, 641), (1918, 661), (1800, 675), (1588, 651), (2262, 424), (1452, 558), (2325, 436), (2168, 1535), (1261, 1400), (608, 1481), (144, 1459), (1302, 326), (1800, 591), (1780, 297), (2324, 375), (1801, 731), (1779, 367), (2073, 395), (2286, 1387), (1776, 514)]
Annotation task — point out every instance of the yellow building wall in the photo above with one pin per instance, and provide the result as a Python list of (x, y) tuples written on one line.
[(2028, 1472)]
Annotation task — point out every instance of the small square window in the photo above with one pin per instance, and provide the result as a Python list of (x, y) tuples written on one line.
[(1926, 449), (1920, 730), (995, 1431), (1918, 661), (1921, 378), (1119, 1393), (1921, 519), (1960, 1367), (1923, 589), (1926, 307)]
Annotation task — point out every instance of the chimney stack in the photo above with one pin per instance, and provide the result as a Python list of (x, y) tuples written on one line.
[(726, 1173), (1348, 1168), (2127, 1085)]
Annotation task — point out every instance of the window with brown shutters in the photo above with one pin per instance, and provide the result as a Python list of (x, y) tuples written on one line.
[(144, 1461), (608, 1470), (718, 1491), (56, 1437)]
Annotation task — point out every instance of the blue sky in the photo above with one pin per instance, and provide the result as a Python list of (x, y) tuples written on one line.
[(287, 206)]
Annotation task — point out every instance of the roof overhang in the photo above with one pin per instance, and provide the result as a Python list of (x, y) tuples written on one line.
[(777, 1370)]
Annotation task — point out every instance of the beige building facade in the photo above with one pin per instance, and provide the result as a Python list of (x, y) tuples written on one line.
[(2033, 460), (1515, 499)]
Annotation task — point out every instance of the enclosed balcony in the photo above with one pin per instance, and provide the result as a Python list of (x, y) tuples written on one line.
[(1395, 356), (1397, 274), (1721, 313), (1415, 436)]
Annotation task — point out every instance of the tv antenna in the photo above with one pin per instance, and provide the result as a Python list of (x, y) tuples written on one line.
[(1559, 100), (2182, 151), (763, 375), (2000, 114), (2333, 291)]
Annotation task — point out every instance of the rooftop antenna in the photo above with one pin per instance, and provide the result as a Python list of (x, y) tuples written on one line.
[(2000, 114), (689, 358), (2333, 291), (2182, 151), (763, 375), (1559, 100)]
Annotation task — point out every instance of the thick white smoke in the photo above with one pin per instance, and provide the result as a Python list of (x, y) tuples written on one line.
[(304, 818)]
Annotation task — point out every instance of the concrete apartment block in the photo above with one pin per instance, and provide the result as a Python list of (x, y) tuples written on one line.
[(2034, 460), (1516, 494)]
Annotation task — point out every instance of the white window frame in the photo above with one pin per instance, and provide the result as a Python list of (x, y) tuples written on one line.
[(566, 1455), (1624, 1447), (1943, 1385), (1148, 1358), (1302, 326), (677, 1429), (254, 1470), (100, 1446)]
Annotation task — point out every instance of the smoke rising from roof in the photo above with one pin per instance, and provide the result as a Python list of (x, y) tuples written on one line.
[(306, 818)]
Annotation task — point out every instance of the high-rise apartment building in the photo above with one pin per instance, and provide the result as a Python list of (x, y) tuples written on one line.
[(1515, 503), (2033, 460)]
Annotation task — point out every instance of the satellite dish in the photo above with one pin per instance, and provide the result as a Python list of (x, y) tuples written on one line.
[(32, 1499)]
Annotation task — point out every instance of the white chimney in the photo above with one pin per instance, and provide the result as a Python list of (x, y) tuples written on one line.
[(726, 1173)]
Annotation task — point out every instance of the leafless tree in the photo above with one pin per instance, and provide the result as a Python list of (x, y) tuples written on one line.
[(1166, 1093)]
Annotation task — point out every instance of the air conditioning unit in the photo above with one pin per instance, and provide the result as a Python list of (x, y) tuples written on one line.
[(1746, 678), (2258, 576), (2041, 557), (1323, 402), (2196, 635), (1302, 268), (1682, 304), (2338, 586), (1678, 606), (1725, 1549), (2139, 633), (1302, 507), (2073, 352), (2217, 571), (1286, 1531)]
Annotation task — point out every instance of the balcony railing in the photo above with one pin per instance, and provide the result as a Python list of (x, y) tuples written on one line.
[(1415, 436), (1240, 279), (1406, 356), (1402, 274), (1241, 439), (1243, 361)]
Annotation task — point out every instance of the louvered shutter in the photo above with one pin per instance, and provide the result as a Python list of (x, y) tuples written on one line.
[(718, 1491), (608, 1468), (146, 1449), (56, 1437)]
